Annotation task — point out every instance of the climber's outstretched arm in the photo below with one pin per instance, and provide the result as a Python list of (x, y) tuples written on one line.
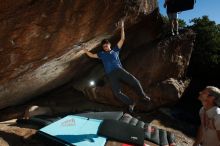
[(121, 41), (90, 54)]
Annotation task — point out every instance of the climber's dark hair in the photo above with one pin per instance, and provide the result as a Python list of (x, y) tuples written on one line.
[(105, 41)]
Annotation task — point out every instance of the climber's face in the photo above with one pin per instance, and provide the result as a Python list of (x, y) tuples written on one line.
[(106, 47), (206, 99)]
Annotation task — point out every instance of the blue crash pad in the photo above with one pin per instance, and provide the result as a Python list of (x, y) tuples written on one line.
[(75, 130)]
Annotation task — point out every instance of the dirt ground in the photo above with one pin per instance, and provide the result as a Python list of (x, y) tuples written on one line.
[(13, 134)]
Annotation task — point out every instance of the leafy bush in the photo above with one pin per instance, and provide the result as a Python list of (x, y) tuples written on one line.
[(205, 59)]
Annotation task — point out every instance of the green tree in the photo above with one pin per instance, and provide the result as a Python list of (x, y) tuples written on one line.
[(205, 59), (182, 23)]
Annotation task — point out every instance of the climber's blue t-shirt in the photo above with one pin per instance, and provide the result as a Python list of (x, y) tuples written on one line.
[(110, 59)]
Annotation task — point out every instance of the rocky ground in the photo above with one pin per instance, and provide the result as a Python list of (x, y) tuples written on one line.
[(63, 102), (12, 134)]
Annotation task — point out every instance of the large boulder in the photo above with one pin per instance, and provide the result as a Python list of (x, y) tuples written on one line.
[(41, 41)]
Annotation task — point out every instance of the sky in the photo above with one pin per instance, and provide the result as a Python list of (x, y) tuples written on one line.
[(202, 7)]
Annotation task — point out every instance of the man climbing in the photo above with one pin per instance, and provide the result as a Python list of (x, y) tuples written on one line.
[(173, 17), (209, 131), (115, 72)]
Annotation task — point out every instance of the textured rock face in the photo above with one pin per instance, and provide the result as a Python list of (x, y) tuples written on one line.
[(40, 41)]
